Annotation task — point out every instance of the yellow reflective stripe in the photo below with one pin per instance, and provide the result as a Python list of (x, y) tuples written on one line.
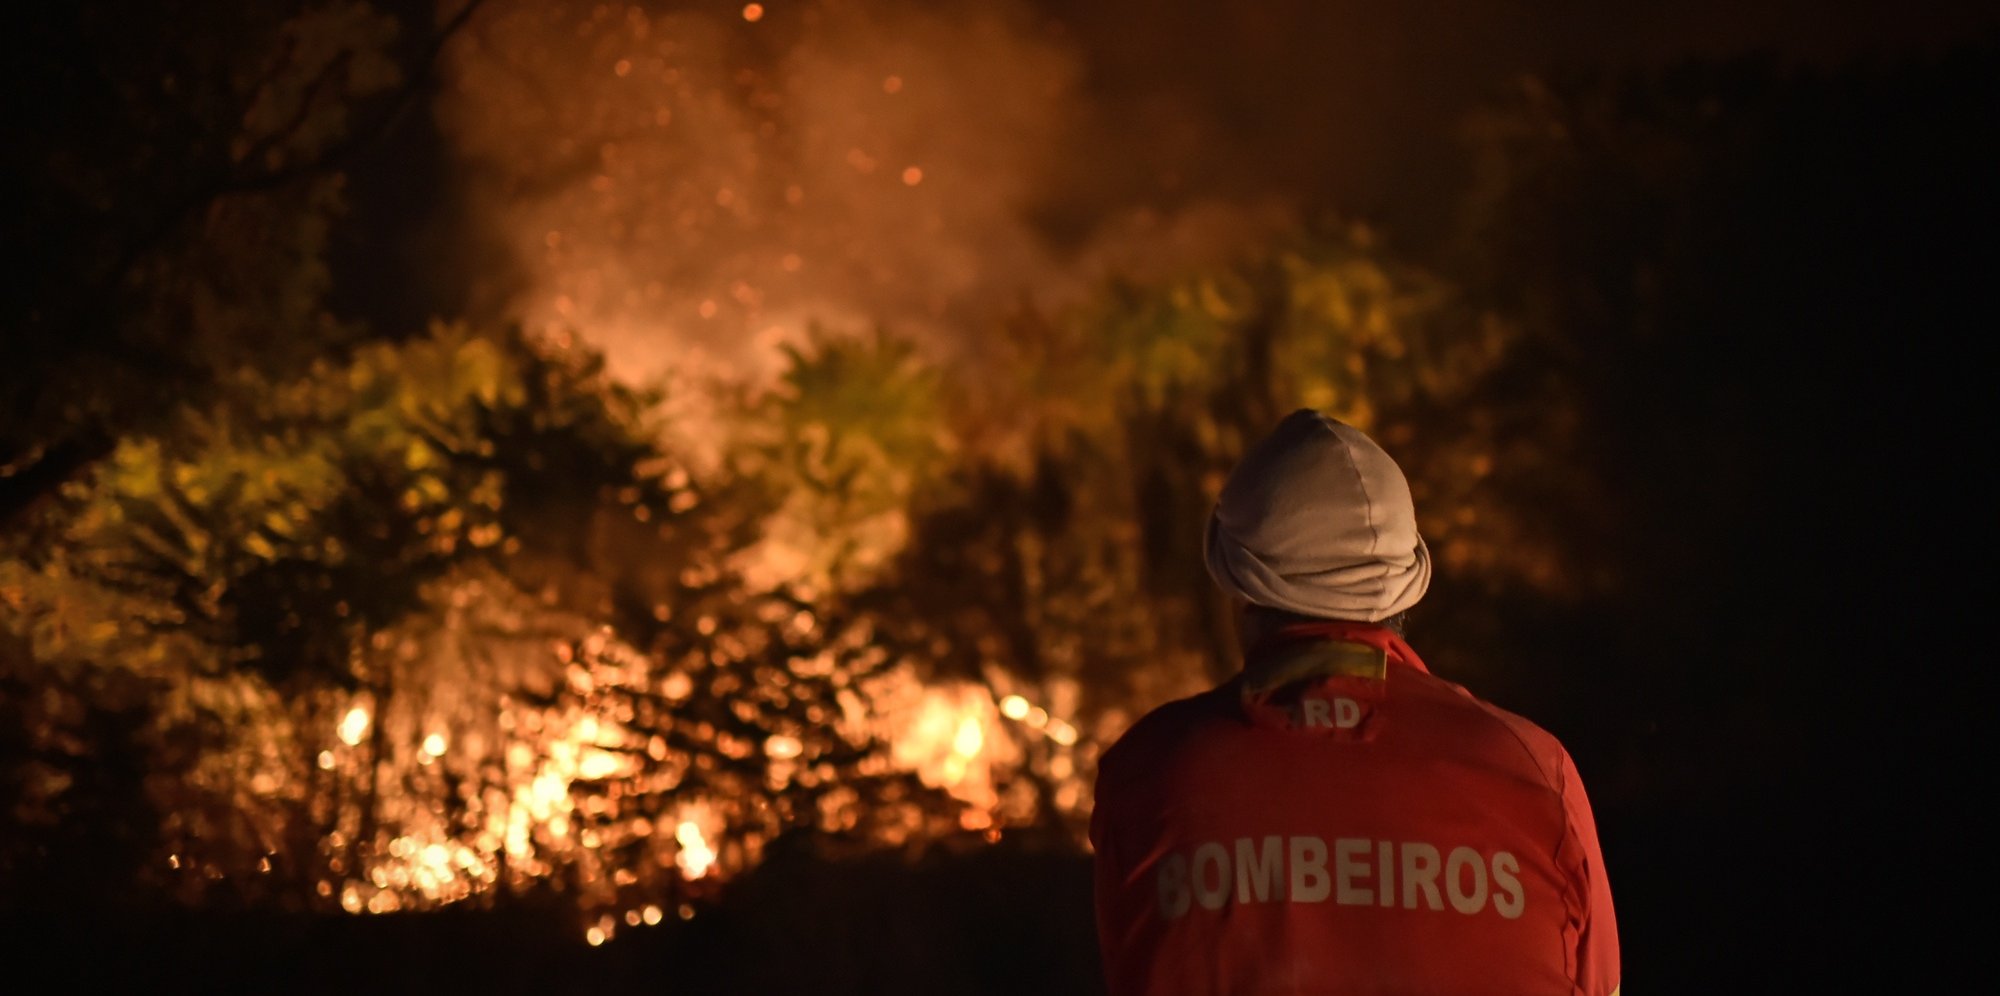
[(1316, 660)]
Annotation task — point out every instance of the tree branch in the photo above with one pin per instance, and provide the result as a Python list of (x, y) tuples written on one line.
[(359, 138), (335, 69), (24, 483)]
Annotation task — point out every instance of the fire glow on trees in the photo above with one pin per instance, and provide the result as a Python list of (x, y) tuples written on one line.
[(615, 774), (463, 616), (448, 623), (482, 637)]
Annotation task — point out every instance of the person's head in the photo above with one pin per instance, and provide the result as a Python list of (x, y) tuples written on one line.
[(1316, 522)]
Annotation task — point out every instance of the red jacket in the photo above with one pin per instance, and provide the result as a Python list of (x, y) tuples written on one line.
[(1338, 820)]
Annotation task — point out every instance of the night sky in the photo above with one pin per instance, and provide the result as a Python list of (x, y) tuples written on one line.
[(1355, 106)]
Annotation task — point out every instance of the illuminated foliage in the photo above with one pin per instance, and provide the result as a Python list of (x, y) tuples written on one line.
[(372, 608), (445, 620), (318, 618), (854, 430), (1071, 543)]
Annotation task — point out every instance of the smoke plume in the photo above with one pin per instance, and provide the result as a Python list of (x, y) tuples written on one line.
[(688, 188)]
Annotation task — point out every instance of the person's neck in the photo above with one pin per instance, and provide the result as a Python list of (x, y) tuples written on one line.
[(1259, 625)]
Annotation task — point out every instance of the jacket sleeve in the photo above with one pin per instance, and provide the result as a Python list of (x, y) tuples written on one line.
[(1597, 969)]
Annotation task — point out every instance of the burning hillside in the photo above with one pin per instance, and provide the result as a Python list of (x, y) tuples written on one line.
[(800, 482)]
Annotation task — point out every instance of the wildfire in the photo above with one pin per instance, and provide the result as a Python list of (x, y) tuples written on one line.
[(354, 726), (469, 799), (696, 856), (716, 212), (943, 733), (551, 810)]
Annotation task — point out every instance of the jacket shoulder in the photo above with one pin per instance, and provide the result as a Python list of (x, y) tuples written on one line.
[(1511, 734), (1157, 731)]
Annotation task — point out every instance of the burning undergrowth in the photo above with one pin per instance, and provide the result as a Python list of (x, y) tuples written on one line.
[(447, 624), (487, 613)]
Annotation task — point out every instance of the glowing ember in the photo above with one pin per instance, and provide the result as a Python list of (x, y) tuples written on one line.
[(597, 765), (696, 857), (434, 745), (753, 12), (354, 726), (969, 739), (780, 747), (1014, 707), (677, 686)]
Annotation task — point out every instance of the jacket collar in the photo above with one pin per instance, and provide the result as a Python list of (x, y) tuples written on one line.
[(1325, 649)]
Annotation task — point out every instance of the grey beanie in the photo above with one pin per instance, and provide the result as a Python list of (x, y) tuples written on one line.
[(1318, 520)]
